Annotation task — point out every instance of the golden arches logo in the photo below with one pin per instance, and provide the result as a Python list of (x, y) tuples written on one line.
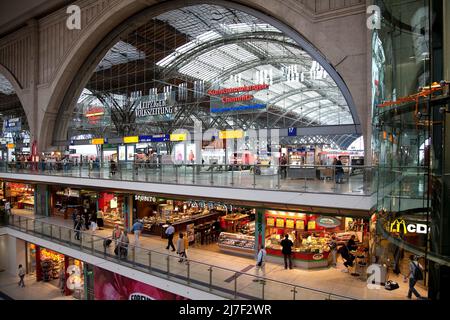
[(397, 224)]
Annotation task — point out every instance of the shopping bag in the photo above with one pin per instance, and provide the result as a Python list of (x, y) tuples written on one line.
[(93, 226)]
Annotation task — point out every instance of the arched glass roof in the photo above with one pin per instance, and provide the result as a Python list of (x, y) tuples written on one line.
[(220, 48)]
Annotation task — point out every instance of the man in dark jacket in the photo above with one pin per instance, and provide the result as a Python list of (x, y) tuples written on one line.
[(287, 245)]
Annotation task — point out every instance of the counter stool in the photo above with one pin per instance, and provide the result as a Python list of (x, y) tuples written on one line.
[(361, 267)]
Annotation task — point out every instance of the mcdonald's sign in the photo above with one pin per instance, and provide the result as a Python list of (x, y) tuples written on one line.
[(399, 225)]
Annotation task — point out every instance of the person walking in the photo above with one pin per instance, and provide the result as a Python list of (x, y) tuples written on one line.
[(100, 219), (123, 245), (283, 165), (78, 226), (339, 171), (21, 276), (287, 245), (93, 221), (181, 249), (137, 229), (74, 217), (8, 208), (169, 233), (415, 274), (260, 262)]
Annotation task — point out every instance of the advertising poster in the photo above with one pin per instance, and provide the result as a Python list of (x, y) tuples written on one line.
[(130, 153), (122, 153), (112, 286)]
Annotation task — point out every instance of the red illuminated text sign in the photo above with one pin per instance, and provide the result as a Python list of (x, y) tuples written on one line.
[(245, 97), (255, 87)]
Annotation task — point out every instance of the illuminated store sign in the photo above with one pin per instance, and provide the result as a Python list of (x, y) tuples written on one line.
[(255, 87), (328, 222), (231, 134), (245, 97), (98, 141), (238, 108), (138, 197), (178, 137), (399, 225)]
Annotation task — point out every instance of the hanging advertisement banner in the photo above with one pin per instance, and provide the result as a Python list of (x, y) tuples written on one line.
[(113, 286), (236, 99), (155, 107)]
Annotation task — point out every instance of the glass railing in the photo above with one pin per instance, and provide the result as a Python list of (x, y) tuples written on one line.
[(216, 280), (358, 180)]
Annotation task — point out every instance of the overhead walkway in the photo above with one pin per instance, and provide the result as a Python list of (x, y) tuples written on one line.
[(311, 192)]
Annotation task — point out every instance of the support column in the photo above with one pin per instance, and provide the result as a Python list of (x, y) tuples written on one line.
[(128, 211), (42, 200), (446, 36), (38, 264)]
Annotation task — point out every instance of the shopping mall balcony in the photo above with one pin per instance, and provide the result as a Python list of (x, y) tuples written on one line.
[(279, 186), (205, 275)]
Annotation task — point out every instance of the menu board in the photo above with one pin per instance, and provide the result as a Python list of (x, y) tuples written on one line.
[(312, 225), (290, 223), (270, 222), (280, 223), (300, 225)]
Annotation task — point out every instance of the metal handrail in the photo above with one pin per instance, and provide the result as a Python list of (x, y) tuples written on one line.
[(169, 255)]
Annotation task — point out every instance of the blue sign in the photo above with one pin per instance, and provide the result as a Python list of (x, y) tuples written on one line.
[(238, 108), (12, 125), (292, 132), (155, 138)]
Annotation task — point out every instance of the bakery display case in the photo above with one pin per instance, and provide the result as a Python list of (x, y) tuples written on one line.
[(237, 243), (113, 217)]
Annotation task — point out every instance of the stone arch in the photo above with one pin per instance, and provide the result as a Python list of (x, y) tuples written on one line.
[(19, 91), (82, 60)]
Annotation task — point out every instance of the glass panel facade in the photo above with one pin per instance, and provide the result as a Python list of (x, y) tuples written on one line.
[(208, 66)]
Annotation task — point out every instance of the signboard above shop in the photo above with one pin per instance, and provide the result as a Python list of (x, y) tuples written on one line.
[(155, 138), (12, 125)]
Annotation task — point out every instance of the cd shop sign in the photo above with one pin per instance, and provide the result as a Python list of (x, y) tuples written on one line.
[(153, 108)]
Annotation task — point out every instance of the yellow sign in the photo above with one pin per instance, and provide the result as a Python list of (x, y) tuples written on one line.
[(178, 137), (98, 141), (231, 134), (270, 222), (290, 223), (11, 145), (280, 223), (132, 139), (311, 225), (300, 225), (397, 225)]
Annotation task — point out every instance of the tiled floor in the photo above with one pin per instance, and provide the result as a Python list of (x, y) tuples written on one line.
[(328, 280), (33, 290)]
